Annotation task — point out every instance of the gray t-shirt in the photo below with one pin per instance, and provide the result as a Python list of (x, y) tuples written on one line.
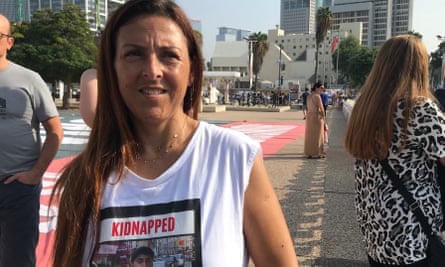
[(25, 102)]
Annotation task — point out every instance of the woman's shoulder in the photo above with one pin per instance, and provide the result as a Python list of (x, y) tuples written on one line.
[(425, 105)]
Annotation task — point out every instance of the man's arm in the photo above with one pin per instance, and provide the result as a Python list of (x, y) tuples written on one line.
[(54, 136)]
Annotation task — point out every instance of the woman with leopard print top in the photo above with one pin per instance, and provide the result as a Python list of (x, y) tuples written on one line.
[(397, 117)]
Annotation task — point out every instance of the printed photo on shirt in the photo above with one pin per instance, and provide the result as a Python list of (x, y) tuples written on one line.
[(156, 235)]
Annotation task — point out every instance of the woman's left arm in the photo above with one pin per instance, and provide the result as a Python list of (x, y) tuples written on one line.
[(267, 235)]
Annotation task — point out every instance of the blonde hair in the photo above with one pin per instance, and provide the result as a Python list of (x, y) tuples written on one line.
[(400, 73)]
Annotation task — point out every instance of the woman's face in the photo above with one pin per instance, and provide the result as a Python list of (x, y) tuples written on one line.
[(153, 68)]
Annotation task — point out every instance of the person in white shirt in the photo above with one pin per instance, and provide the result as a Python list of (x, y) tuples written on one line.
[(151, 172)]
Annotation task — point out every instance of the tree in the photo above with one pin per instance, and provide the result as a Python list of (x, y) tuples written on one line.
[(323, 19), (260, 48), (436, 59), (360, 64), (347, 47), (417, 34), (355, 62), (58, 45), (199, 38)]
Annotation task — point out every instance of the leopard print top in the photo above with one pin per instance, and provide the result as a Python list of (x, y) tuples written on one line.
[(391, 233)]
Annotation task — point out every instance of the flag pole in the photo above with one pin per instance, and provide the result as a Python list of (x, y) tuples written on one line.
[(338, 55)]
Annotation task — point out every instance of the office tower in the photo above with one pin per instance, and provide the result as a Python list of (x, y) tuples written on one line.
[(382, 22), (14, 10), (402, 14), (96, 11), (380, 19), (325, 3), (196, 24), (231, 34), (298, 16)]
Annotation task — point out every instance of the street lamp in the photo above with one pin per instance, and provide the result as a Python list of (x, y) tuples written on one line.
[(442, 70), (279, 68), (250, 40)]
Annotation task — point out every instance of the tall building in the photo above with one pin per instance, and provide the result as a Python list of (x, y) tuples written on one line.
[(402, 14), (196, 24), (298, 16), (325, 3), (14, 10), (381, 19), (96, 11), (231, 34)]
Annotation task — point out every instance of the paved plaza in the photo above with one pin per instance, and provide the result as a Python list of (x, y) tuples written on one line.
[(317, 195)]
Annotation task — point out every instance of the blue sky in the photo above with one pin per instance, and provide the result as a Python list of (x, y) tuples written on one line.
[(263, 15)]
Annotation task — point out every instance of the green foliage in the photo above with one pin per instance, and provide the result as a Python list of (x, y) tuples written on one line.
[(355, 62), (360, 65), (58, 45), (417, 34), (260, 48), (436, 59), (324, 19)]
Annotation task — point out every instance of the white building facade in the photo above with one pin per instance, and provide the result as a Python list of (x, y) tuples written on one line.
[(296, 52)]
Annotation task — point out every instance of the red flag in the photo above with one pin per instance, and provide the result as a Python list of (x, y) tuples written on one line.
[(334, 44)]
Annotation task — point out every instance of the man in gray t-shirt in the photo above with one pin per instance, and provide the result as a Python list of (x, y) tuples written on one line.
[(25, 103)]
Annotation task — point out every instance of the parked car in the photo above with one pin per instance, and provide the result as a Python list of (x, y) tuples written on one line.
[(75, 93)]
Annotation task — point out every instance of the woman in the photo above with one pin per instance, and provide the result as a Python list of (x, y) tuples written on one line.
[(396, 117), (315, 123), (151, 173)]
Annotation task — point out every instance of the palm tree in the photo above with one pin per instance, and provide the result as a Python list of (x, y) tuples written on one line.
[(417, 34), (260, 48), (198, 36), (324, 19)]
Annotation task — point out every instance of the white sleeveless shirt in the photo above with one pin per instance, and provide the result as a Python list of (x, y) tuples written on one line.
[(193, 212)]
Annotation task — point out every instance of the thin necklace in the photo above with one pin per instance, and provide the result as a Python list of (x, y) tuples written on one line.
[(161, 150)]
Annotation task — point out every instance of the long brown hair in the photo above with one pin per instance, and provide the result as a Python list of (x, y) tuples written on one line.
[(111, 144), (400, 73)]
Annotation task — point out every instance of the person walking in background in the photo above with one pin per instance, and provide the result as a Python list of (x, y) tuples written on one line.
[(396, 117), (25, 103), (274, 99), (439, 93), (315, 122), (88, 96), (324, 99), (150, 161), (303, 99), (334, 99)]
